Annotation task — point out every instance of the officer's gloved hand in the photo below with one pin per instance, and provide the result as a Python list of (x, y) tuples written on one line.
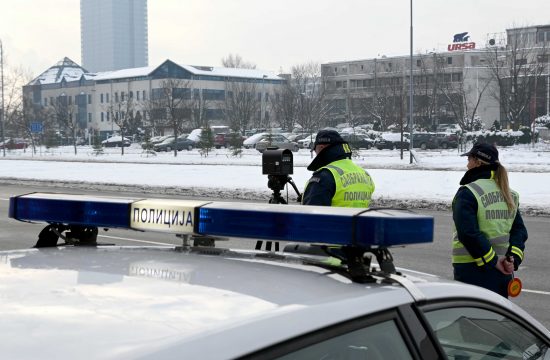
[(517, 259)]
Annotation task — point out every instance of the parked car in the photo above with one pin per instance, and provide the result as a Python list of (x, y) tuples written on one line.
[(116, 141), (181, 143), (447, 140), (307, 141), (276, 140), (14, 143), (358, 141), (425, 140), (391, 141), (250, 142), (225, 140), (154, 140), (197, 301)]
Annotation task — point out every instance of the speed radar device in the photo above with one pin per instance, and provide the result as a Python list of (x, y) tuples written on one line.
[(277, 164), (277, 161)]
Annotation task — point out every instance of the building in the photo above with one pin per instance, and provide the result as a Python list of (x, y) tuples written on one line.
[(113, 34), (507, 80), (66, 91), (447, 86)]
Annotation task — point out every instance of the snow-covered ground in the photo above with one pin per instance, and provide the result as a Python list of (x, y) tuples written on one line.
[(430, 182)]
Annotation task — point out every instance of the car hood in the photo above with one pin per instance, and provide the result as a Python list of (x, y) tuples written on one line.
[(126, 301)]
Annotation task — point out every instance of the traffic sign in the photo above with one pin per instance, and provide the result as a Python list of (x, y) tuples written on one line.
[(36, 127)]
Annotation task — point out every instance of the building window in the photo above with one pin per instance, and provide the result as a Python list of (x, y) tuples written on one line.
[(45, 101), (108, 116), (143, 97), (418, 63), (70, 100), (521, 61), (89, 117), (137, 95), (122, 95), (449, 60), (102, 116), (457, 77), (106, 98), (542, 58), (116, 97), (89, 99), (101, 98), (335, 69), (51, 101), (131, 95)]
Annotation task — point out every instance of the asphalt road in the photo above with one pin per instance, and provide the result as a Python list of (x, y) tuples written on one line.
[(431, 258)]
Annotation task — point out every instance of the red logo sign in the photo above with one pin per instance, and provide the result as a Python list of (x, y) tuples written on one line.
[(461, 46)]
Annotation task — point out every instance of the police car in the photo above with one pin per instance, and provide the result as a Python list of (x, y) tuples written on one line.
[(331, 292)]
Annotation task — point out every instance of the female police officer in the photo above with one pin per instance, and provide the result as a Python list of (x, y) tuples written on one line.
[(336, 180), (489, 236)]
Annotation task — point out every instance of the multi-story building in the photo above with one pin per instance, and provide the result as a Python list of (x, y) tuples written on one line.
[(91, 100), (446, 86), (113, 34), (507, 80)]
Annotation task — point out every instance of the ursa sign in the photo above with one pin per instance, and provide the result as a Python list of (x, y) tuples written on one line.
[(461, 42)]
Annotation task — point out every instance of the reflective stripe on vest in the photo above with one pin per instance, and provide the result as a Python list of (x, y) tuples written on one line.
[(494, 219), (354, 186)]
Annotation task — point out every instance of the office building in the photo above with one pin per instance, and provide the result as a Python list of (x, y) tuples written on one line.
[(113, 34)]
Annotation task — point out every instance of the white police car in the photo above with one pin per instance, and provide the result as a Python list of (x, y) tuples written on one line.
[(201, 302)]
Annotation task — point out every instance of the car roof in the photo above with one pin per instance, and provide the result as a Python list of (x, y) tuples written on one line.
[(117, 297)]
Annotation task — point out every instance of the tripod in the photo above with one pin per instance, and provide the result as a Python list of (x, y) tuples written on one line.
[(277, 183)]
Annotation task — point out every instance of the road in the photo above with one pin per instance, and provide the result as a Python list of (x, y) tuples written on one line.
[(431, 258)]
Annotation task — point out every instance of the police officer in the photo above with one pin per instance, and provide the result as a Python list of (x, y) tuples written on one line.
[(489, 235), (336, 180)]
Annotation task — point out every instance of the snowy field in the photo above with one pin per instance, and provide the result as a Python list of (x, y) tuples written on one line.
[(430, 182)]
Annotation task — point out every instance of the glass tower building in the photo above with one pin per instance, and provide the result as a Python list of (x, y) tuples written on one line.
[(113, 34)]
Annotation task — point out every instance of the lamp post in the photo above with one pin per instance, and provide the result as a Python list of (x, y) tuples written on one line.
[(2, 117), (411, 120), (262, 102)]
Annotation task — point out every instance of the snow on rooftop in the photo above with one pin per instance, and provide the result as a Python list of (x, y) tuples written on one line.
[(64, 69), (71, 71), (123, 73)]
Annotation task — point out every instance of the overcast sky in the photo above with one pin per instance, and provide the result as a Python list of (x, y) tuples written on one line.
[(274, 35)]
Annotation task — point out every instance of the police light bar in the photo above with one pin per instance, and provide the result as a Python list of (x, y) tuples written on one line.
[(297, 223)]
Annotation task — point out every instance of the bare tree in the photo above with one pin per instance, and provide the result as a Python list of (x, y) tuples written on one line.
[(171, 105), (313, 109), (285, 104), (516, 69), (64, 113), (242, 105), (16, 105), (236, 61), (123, 115), (199, 105)]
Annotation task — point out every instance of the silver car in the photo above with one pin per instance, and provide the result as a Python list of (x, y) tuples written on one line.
[(276, 140), (319, 297)]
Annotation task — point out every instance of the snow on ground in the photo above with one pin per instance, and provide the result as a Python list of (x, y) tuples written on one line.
[(430, 182)]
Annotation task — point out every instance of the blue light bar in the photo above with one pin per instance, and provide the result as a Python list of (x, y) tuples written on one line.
[(315, 224), (72, 209), (297, 223)]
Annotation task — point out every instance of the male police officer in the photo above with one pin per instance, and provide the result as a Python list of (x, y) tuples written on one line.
[(336, 180)]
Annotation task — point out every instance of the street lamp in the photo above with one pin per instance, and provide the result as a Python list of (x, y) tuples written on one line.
[(2, 117), (411, 120), (262, 102)]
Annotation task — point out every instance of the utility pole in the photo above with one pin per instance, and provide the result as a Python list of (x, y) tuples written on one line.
[(411, 120), (3, 107)]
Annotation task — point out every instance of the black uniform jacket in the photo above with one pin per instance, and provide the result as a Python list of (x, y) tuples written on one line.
[(465, 219), (321, 186)]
